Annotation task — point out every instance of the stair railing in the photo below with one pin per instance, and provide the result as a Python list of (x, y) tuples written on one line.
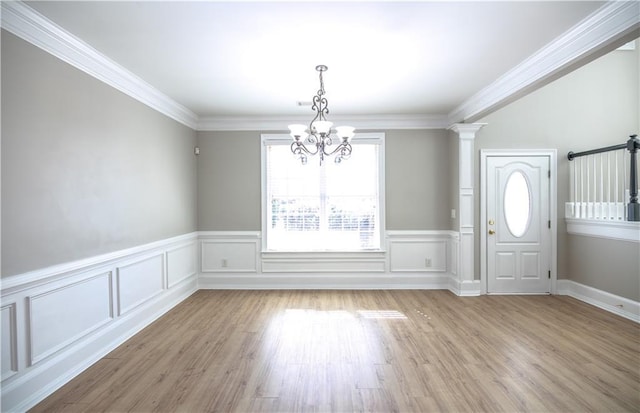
[(598, 183)]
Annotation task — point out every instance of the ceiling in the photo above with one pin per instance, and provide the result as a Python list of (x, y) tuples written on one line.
[(257, 59)]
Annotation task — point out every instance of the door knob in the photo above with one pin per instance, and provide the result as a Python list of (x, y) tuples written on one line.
[(491, 232)]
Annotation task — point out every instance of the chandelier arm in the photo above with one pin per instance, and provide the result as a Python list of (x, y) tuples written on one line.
[(298, 148), (346, 147)]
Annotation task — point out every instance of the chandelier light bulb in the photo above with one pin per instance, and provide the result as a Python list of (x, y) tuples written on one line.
[(298, 132), (345, 132)]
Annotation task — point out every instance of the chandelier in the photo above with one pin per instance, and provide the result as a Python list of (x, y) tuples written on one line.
[(318, 138)]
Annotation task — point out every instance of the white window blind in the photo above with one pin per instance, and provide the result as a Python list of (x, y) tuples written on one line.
[(333, 207)]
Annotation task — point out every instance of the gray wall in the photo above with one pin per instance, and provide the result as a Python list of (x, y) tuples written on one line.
[(597, 105), (608, 265), (86, 170), (416, 180), (229, 181)]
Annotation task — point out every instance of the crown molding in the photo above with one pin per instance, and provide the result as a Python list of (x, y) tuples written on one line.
[(26, 23), (361, 122), (613, 24)]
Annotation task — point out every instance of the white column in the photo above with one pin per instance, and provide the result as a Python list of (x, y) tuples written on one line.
[(467, 285)]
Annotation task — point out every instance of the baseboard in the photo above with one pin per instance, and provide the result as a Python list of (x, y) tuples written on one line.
[(470, 288), (333, 281), (615, 304), (98, 304)]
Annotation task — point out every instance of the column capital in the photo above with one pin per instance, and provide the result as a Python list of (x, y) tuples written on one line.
[(467, 129)]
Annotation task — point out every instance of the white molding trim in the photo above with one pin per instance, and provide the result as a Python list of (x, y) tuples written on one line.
[(617, 230), (465, 288), (418, 234), (615, 304), (553, 212), (28, 24), (360, 122), (248, 235), (601, 31)]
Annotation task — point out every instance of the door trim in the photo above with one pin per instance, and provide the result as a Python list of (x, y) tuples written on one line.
[(553, 208)]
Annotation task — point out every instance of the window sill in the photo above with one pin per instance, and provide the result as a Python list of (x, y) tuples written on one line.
[(616, 230)]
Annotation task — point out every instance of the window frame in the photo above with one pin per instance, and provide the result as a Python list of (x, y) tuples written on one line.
[(375, 138)]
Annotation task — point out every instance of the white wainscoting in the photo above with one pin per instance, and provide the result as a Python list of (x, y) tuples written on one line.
[(9, 351), (621, 306), (412, 259), (139, 281), (229, 251), (63, 315), (58, 321)]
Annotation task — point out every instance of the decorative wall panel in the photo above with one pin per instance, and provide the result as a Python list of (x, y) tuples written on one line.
[(139, 282), (181, 263), (62, 316), (9, 358)]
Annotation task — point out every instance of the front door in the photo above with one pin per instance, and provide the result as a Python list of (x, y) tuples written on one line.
[(518, 225)]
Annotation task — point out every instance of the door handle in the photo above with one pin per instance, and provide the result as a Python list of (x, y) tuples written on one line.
[(491, 232)]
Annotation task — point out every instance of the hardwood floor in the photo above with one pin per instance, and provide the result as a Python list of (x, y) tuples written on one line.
[(382, 351)]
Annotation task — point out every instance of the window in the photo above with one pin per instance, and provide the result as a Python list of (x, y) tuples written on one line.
[(333, 207)]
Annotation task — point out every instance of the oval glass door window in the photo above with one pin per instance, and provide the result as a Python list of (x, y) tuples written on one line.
[(517, 204)]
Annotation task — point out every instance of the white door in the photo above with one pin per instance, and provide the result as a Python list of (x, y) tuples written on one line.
[(518, 224)]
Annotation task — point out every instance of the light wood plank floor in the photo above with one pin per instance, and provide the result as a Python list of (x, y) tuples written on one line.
[(382, 351)]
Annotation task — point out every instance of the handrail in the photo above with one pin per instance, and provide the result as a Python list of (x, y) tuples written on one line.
[(632, 145), (572, 155)]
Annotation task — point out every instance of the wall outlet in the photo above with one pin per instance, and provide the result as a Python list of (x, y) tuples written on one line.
[(427, 262), (453, 214), (223, 263)]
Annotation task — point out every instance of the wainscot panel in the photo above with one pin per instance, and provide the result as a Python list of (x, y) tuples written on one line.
[(228, 254), (139, 282), (181, 263), (64, 315), (9, 355), (58, 321)]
